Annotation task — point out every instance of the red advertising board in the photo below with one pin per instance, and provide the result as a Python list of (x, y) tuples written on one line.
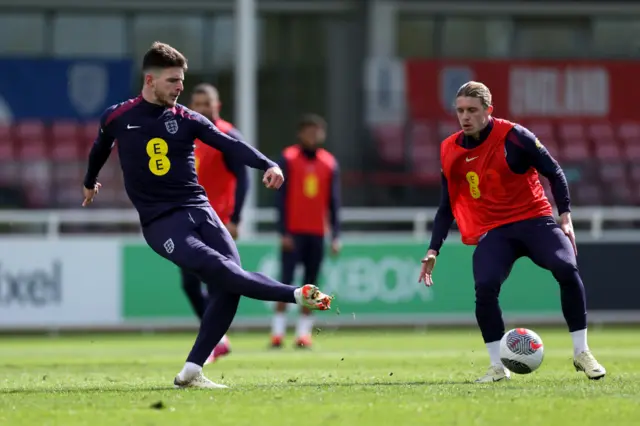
[(603, 90)]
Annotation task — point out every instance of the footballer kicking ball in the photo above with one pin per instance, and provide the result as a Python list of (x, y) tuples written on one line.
[(521, 351)]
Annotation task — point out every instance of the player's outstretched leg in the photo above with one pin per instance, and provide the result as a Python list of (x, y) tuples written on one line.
[(181, 237), (492, 262), (550, 249)]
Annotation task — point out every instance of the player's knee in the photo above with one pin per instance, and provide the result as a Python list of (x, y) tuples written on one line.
[(190, 280), (564, 271), (487, 292)]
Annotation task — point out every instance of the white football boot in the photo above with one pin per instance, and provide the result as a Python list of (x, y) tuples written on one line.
[(586, 362), (198, 381), (495, 373)]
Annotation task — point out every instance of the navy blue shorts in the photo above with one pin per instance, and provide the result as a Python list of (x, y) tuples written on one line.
[(193, 238), (539, 239), (308, 251)]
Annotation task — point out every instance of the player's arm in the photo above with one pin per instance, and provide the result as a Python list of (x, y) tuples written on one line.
[(334, 203), (441, 225), (237, 150), (443, 220), (526, 151), (100, 150), (241, 174)]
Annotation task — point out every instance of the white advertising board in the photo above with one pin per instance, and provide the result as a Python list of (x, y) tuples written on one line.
[(63, 283)]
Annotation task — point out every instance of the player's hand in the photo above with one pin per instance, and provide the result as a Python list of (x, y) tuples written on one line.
[(336, 246), (287, 243), (233, 230), (428, 263), (567, 227), (273, 178), (89, 194)]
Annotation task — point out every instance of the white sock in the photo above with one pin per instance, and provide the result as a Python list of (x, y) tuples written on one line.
[(279, 324), (189, 371), (579, 339), (305, 326), (297, 294), (494, 352)]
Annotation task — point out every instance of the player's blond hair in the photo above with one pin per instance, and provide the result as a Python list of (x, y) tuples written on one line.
[(475, 89)]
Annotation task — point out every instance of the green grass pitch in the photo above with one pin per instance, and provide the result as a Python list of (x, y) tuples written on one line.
[(375, 377)]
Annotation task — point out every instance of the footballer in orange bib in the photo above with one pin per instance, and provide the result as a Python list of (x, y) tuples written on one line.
[(491, 188), (308, 205)]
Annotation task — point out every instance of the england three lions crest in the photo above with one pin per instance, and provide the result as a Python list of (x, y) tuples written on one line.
[(172, 126)]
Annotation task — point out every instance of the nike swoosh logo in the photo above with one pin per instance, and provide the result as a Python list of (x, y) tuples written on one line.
[(535, 346), (132, 127), (471, 159)]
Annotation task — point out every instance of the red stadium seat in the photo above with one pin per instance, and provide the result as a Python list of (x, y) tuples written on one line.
[(631, 150), (608, 151), (447, 128), (389, 141), (629, 131), (612, 172), (575, 151), (571, 131), (65, 129), (599, 132), (32, 149), (424, 147), (587, 194), (543, 130), (66, 148), (89, 130), (7, 148), (553, 147), (6, 131), (619, 192), (30, 129)]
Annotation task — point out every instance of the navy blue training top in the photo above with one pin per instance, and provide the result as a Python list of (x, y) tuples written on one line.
[(156, 150)]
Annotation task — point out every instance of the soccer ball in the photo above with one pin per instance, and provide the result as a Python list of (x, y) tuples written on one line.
[(521, 351)]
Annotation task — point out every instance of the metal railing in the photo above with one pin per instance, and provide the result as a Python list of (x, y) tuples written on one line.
[(420, 218)]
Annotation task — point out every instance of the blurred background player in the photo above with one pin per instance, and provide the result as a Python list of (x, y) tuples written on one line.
[(491, 187), (307, 203), (226, 183)]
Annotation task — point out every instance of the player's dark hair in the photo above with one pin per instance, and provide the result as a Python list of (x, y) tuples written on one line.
[(161, 56), (475, 89), (311, 120), (205, 89)]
